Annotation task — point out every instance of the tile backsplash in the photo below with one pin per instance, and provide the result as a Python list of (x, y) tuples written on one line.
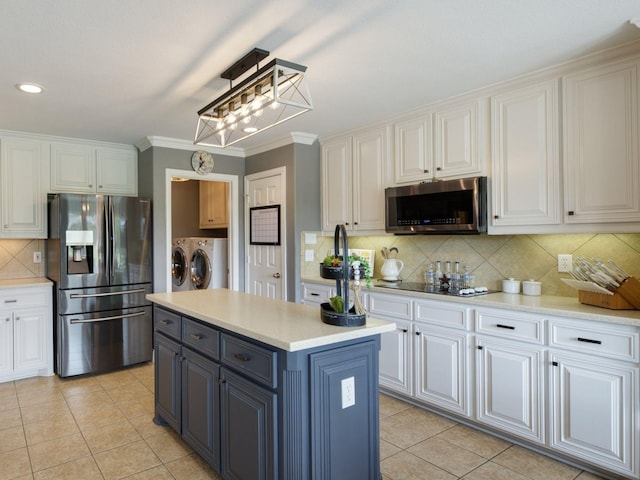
[(491, 258), (16, 258)]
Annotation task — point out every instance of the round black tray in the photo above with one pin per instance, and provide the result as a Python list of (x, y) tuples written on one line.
[(351, 319), (335, 273)]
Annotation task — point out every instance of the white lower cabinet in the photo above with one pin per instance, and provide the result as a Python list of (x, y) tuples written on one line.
[(510, 387), (595, 397), (441, 355), (396, 352), (26, 333), (441, 368), (510, 382), (396, 358)]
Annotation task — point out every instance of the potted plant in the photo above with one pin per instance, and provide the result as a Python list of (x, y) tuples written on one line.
[(331, 267)]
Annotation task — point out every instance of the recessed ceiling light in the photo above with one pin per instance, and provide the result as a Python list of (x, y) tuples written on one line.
[(30, 87)]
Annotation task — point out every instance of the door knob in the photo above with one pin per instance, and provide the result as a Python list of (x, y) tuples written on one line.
[(276, 275)]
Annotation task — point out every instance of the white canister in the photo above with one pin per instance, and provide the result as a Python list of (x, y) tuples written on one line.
[(511, 285), (531, 287)]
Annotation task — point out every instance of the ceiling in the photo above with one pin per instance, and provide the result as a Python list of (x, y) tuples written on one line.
[(122, 70)]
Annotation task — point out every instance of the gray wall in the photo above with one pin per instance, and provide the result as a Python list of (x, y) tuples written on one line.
[(302, 164), (152, 164)]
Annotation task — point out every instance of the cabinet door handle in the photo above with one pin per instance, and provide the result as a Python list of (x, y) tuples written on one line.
[(11, 301), (438, 168), (508, 327), (496, 217), (221, 381), (570, 212), (426, 171), (196, 336), (8, 319), (404, 330), (588, 340), (555, 364), (480, 347), (242, 357)]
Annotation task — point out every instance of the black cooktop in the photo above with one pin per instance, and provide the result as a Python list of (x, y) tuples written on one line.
[(421, 287)]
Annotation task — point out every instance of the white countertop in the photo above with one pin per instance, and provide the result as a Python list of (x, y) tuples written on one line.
[(285, 325), (25, 282), (544, 304)]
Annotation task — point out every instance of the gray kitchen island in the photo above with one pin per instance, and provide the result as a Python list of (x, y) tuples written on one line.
[(263, 389)]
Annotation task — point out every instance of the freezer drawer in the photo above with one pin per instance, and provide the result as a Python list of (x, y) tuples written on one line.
[(101, 341), (102, 298)]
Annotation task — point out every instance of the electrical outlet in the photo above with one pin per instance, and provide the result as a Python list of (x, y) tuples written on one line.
[(565, 262), (348, 392), (37, 257), (308, 255)]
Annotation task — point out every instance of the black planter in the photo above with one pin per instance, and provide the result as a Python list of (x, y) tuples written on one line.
[(349, 319), (335, 273)]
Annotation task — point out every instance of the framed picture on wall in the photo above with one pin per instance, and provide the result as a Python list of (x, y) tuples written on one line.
[(264, 225)]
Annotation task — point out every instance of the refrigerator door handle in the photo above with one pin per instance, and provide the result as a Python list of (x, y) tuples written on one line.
[(106, 294), (104, 319)]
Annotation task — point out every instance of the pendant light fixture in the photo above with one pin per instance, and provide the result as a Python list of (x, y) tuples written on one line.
[(273, 94)]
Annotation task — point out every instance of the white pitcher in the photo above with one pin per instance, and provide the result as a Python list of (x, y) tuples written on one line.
[(391, 268)]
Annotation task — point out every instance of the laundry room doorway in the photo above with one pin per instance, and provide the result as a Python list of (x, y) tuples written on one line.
[(201, 210)]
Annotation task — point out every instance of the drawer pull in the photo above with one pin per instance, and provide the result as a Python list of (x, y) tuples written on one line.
[(11, 301), (166, 322), (508, 327), (242, 357), (314, 294), (196, 336), (588, 340)]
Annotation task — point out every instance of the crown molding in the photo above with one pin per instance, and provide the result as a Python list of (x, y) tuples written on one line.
[(179, 144), (294, 137)]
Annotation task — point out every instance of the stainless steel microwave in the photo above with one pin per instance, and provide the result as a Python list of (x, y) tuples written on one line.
[(450, 206)]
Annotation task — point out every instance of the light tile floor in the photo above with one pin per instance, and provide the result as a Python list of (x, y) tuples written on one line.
[(100, 427)]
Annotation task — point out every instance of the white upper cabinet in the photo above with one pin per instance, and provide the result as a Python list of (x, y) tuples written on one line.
[(440, 144), (85, 168), (601, 162), (457, 139), (413, 150), (353, 181), (24, 202), (526, 159)]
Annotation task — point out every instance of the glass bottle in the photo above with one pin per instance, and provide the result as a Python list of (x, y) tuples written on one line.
[(437, 284), (429, 279), (467, 277), (454, 284), (446, 281)]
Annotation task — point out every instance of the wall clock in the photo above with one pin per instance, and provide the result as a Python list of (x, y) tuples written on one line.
[(202, 162)]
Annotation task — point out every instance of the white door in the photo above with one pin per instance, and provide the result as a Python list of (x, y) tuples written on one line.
[(265, 273)]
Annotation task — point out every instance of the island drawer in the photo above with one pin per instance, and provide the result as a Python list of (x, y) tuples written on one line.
[(613, 341), (509, 324), (253, 360), (166, 322), (202, 338)]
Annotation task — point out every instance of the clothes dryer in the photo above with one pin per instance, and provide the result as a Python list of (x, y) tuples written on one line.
[(208, 267), (180, 258)]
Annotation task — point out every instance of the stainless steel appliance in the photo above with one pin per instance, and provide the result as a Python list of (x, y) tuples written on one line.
[(99, 256), (450, 206)]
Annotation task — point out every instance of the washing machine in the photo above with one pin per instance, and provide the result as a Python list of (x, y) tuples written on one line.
[(180, 258), (208, 267)]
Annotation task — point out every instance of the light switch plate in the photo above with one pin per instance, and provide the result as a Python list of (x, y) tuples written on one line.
[(310, 238)]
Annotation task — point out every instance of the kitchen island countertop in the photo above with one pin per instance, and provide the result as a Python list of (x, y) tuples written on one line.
[(285, 325)]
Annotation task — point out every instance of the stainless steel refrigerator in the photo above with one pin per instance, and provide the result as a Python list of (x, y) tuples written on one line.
[(99, 256)]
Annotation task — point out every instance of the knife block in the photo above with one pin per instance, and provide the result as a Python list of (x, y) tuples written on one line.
[(626, 297), (630, 290), (613, 302)]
